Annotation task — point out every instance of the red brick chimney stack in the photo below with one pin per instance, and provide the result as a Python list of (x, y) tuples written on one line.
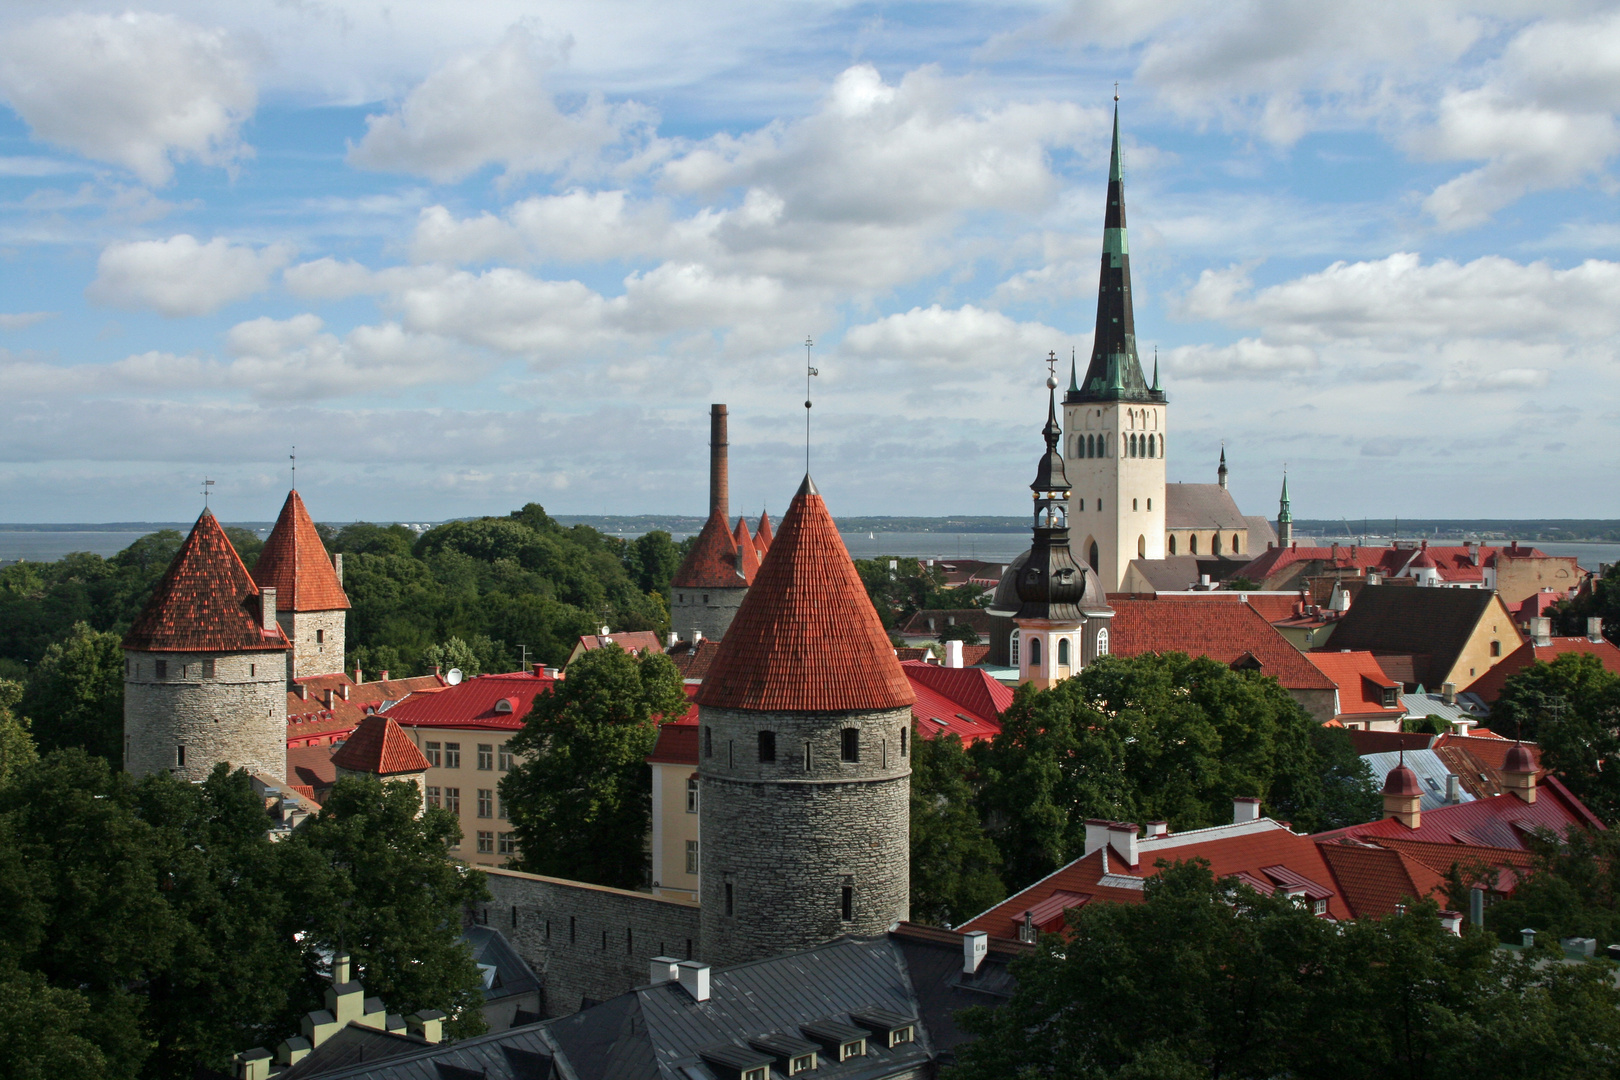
[(719, 484)]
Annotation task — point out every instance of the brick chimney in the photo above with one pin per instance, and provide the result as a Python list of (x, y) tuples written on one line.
[(1519, 773), (1594, 628), (719, 481)]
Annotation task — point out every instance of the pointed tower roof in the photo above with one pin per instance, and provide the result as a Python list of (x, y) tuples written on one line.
[(747, 553), (806, 638), (205, 602), (295, 563), (1115, 371), (1284, 511), (712, 562), (762, 535), (379, 746)]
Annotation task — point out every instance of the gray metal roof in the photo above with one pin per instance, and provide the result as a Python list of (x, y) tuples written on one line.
[(1431, 773), (1201, 506), (1468, 707), (512, 975)]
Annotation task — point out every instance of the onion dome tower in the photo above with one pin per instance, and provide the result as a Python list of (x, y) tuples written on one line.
[(205, 668), (712, 581), (804, 756), (1115, 420), (310, 602), (1063, 615), (1519, 772), (1403, 796)]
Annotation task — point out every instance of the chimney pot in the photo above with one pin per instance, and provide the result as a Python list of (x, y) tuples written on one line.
[(302, 691), (1096, 835), (664, 969), (953, 654), (697, 636), (1541, 630), (1476, 906), (1448, 693), (337, 566), (674, 639), (428, 1025), (345, 691), (1157, 829), (1122, 838), (975, 946), (1594, 628), (1245, 808), (1528, 937), (1453, 789), (383, 675), (694, 975), (327, 695)]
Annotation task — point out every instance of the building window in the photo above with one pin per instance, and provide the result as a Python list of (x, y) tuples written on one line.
[(452, 799), (1496, 648), (508, 845), (486, 756), (486, 802), (1063, 651), (1215, 544), (253, 669), (901, 1035), (1134, 506), (486, 843), (1141, 547), (731, 753), (691, 795), (1096, 554), (503, 758), (1235, 545), (767, 746), (1389, 697), (500, 805), (452, 755), (904, 732), (807, 757), (1034, 652), (803, 1063), (756, 1074), (1319, 908), (320, 637), (846, 903), (433, 796), (208, 668), (691, 856), (1150, 506), (180, 756), (852, 1050), (162, 669), (1192, 544), (435, 755), (708, 741), (1102, 642), (1012, 648), (850, 744), (731, 905)]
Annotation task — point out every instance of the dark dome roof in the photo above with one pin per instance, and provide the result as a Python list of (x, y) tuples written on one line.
[(1519, 760), (1006, 599), (1402, 781)]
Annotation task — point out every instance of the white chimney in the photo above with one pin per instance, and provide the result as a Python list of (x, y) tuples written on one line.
[(1451, 922), (1448, 693), (267, 608), (975, 946), (1158, 829), (697, 636), (1096, 835), (1594, 628), (1245, 809), (694, 977), (1203, 581), (1453, 788), (953, 654), (664, 969), (674, 638), (1541, 630), (1122, 838)]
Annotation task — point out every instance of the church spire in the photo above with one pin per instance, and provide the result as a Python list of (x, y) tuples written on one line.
[(1115, 371), (1285, 516), (1220, 473)]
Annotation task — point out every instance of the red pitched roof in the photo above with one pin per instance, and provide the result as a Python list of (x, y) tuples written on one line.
[(965, 702), (321, 711), (1223, 632), (692, 659), (294, 562), (1454, 562), (712, 562), (631, 641), (1510, 864), (311, 768), (1361, 684), (1373, 880), (806, 637), (476, 703), (1501, 821), (205, 602), (762, 535), (746, 550), (1489, 685), (678, 739), (379, 746)]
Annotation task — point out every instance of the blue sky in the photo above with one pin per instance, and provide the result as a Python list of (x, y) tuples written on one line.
[(470, 256)]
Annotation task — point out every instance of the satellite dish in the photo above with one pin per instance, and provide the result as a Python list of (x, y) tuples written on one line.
[(453, 676)]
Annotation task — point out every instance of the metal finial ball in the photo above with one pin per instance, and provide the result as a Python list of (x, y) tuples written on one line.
[(1051, 382), (807, 404)]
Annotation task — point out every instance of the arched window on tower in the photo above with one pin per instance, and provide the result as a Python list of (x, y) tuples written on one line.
[(1063, 652), (1215, 544), (1102, 642), (1192, 544), (1172, 543), (1035, 652), (1235, 549), (1012, 648), (1152, 446), (1141, 547), (1096, 559), (1133, 444)]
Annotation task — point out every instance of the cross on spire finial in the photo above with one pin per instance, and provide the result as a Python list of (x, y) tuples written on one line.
[(1051, 363), (207, 483), (809, 373), (293, 457)]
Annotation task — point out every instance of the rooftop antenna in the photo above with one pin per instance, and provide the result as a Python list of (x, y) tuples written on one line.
[(809, 373), (207, 483)]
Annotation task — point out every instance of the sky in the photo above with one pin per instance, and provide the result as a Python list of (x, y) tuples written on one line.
[(469, 256)]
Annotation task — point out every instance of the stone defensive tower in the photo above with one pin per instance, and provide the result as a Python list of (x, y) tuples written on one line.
[(311, 606), (804, 756), (712, 581), (1115, 421), (205, 668)]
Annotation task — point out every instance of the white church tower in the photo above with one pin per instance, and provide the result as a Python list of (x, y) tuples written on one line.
[(1115, 422)]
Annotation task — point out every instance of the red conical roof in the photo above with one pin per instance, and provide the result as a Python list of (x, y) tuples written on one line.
[(294, 562), (380, 746), (806, 638), (762, 535), (712, 562), (205, 602), (746, 550)]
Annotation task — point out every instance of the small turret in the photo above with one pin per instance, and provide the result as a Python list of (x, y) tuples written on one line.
[(1220, 473), (1403, 796), (1519, 772)]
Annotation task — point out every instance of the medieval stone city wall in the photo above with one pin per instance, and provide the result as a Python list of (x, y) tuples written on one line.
[(318, 641), (237, 714)]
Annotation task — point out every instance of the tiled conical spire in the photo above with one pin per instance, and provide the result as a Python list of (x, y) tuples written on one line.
[(712, 562), (747, 553), (762, 535), (205, 602), (1115, 371), (806, 638), (294, 562)]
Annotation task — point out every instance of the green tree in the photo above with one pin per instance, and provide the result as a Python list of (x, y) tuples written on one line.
[(1573, 889), (961, 631), (75, 695), (42, 1038), (393, 899), (454, 653), (1571, 708), (580, 800), (651, 560), (247, 544), (364, 538), (1601, 601), (16, 739), (1350, 792), (953, 875)]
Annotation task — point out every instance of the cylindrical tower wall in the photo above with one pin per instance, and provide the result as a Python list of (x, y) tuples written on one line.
[(789, 836), (229, 707), (706, 610)]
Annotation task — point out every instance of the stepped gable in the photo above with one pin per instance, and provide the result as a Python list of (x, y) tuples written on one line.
[(746, 550), (379, 746), (763, 534), (295, 563), (806, 638), (712, 562), (206, 601)]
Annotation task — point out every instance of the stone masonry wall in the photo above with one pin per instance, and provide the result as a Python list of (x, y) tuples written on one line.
[(318, 641), (237, 715), (586, 941), (708, 610), (788, 836)]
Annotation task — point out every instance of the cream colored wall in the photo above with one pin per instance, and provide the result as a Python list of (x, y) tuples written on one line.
[(469, 778), (1519, 579), (1476, 659), (672, 827), (1206, 542)]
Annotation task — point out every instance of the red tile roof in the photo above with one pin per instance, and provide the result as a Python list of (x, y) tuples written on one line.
[(1274, 607), (1223, 632), (631, 641), (965, 702), (205, 602), (692, 659), (475, 703), (677, 745), (1361, 684), (806, 637), (1382, 742), (379, 746), (294, 562), (1502, 821), (746, 549), (1489, 685), (1373, 880), (712, 562), (762, 535), (311, 766), (312, 717), (1510, 864)]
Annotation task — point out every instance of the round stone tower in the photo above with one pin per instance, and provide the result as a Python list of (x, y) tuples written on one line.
[(804, 757), (205, 668)]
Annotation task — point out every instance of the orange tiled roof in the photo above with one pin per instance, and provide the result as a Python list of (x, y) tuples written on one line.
[(634, 642), (692, 659), (746, 549), (1361, 683), (294, 562), (379, 746), (1373, 880), (1223, 632), (205, 602), (762, 535), (806, 637), (712, 562), (1489, 685)]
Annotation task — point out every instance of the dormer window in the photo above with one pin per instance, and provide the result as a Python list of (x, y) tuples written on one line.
[(802, 1063), (756, 1074), (504, 705), (1390, 697), (853, 1049)]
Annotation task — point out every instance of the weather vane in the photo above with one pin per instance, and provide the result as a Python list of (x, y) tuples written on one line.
[(207, 483), (293, 457), (809, 373), (1116, 89)]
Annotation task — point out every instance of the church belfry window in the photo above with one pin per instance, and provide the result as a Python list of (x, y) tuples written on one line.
[(1192, 544), (1034, 652), (1102, 642), (1063, 652), (1172, 544)]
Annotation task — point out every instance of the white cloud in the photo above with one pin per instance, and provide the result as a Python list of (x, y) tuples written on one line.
[(22, 320), (960, 338), (494, 108), (1248, 358), (141, 90), (327, 278), (180, 276)]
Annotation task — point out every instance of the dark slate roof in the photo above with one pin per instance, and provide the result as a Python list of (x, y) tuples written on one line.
[(512, 975), (1202, 506), (1175, 573), (515, 1054), (350, 1046), (1424, 622)]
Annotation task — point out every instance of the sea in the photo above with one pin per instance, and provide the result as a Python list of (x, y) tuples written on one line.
[(37, 544)]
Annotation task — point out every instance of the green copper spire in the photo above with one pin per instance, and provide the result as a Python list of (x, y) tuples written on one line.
[(1074, 387), (1283, 511)]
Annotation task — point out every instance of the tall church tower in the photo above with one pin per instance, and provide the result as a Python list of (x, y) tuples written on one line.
[(1285, 518), (1115, 422)]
